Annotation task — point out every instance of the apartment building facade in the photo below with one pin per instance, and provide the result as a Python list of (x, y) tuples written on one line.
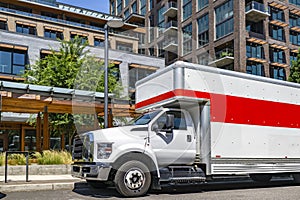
[(259, 37), (29, 29)]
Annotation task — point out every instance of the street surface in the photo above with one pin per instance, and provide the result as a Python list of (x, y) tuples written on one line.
[(244, 189)]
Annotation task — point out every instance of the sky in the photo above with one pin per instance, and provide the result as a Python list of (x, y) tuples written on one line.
[(97, 5)]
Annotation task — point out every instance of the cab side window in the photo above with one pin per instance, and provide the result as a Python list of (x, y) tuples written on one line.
[(179, 120)]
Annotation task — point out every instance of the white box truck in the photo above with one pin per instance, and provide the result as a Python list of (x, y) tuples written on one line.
[(198, 123)]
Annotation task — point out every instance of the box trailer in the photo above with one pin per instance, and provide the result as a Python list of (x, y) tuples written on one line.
[(198, 123)]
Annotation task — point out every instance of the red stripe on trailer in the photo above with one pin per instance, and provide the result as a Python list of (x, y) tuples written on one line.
[(239, 110)]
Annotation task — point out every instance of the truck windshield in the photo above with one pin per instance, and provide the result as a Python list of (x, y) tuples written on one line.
[(145, 118)]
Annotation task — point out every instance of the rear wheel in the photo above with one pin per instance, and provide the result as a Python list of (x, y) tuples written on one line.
[(263, 178), (133, 179)]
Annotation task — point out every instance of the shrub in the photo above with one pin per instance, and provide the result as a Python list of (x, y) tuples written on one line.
[(53, 157), (2, 159), (16, 159)]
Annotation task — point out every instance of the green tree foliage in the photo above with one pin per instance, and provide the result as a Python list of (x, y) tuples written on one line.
[(295, 70), (71, 67)]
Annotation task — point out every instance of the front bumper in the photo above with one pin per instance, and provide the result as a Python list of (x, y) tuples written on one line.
[(91, 171)]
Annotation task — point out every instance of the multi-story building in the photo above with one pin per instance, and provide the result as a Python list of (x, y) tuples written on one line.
[(258, 37), (29, 29)]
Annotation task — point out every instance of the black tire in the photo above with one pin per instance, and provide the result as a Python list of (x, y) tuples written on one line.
[(296, 178), (263, 178), (96, 184), (133, 179)]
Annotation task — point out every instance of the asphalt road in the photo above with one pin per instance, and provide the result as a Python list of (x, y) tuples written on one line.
[(232, 190)]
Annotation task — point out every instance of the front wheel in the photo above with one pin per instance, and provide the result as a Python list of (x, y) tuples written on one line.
[(133, 179)]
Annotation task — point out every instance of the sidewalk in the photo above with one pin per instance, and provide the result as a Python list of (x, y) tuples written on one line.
[(38, 182)]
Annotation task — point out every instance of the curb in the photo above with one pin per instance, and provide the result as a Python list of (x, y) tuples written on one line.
[(37, 187)]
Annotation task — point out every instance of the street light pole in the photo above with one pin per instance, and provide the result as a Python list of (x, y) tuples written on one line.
[(113, 23), (106, 28)]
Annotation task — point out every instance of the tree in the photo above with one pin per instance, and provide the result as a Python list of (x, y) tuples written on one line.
[(71, 67), (295, 70)]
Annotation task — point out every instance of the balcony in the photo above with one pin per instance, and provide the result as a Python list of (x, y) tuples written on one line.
[(135, 18), (171, 28), (256, 11), (171, 44), (171, 9), (223, 57)]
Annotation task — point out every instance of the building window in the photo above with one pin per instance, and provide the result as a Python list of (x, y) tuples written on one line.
[(84, 39), (119, 6), (48, 14), (203, 37), (202, 4), (295, 2), (124, 46), (126, 13), (277, 55), (3, 25), (294, 20), (151, 4), (203, 59), (277, 32), (276, 14), (12, 61), (98, 42), (126, 3), (143, 7), (224, 19), (53, 34), (255, 68), (112, 7), (187, 39), (255, 50), (134, 8), (255, 27), (277, 73), (136, 74), (161, 51), (26, 29), (161, 20), (295, 37), (293, 58), (187, 9)]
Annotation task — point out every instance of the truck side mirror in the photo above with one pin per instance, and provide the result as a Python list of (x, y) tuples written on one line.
[(170, 122), (155, 128)]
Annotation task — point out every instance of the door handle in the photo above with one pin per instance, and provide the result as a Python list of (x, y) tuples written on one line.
[(189, 138)]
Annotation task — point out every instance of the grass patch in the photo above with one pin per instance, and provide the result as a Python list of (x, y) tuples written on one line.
[(16, 159), (53, 157), (2, 159)]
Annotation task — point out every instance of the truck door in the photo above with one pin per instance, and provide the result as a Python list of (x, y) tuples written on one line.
[(173, 145)]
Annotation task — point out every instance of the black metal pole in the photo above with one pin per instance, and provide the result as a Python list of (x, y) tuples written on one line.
[(27, 155), (5, 173)]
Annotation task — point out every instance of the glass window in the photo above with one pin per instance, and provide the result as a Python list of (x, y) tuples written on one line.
[(277, 55), (84, 39), (126, 13), (224, 19), (134, 8), (187, 38), (276, 14), (53, 34), (277, 73), (187, 9), (112, 7), (12, 61), (119, 6), (203, 59), (136, 74), (203, 25), (255, 68), (161, 21), (124, 46), (21, 28), (100, 42), (3, 25), (294, 20), (179, 120), (277, 33), (293, 57), (143, 7), (295, 2), (126, 3), (295, 37), (254, 50), (202, 4)]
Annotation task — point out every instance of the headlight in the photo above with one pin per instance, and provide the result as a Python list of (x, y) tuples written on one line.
[(104, 150)]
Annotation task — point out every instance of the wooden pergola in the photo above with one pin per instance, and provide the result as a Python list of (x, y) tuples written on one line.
[(35, 99)]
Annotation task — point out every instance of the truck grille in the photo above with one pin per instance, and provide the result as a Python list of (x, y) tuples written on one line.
[(83, 148)]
